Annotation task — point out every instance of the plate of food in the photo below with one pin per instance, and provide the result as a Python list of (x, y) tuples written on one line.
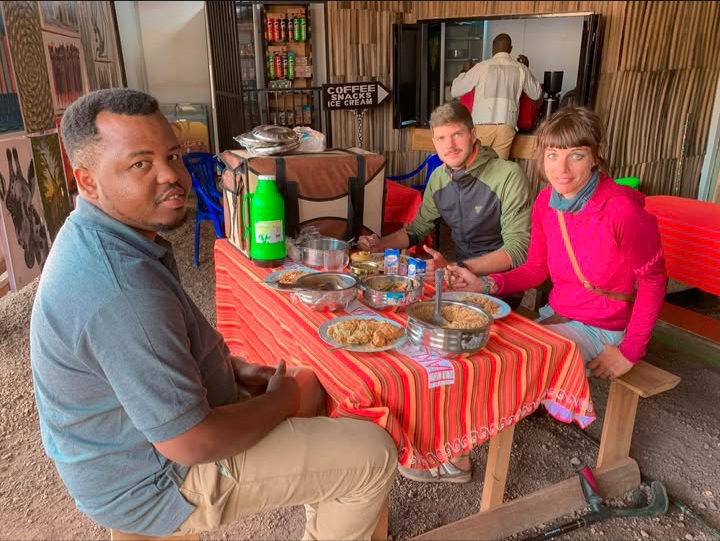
[(286, 276), (497, 308), (362, 333)]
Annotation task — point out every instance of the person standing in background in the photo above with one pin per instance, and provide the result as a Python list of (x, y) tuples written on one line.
[(498, 83)]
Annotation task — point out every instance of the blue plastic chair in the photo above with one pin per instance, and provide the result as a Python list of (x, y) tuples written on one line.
[(432, 162), (202, 166)]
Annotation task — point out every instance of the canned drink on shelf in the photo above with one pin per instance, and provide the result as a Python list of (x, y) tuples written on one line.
[(268, 29), (277, 29), (290, 65), (296, 28), (271, 66), (291, 28), (283, 29), (278, 67), (303, 28), (285, 67)]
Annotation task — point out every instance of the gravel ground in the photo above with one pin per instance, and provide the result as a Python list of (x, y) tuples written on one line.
[(677, 441)]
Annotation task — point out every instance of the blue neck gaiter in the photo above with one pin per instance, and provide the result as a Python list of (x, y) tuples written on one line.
[(558, 202)]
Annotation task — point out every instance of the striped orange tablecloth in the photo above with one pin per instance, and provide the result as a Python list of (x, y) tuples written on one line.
[(433, 408), (690, 233)]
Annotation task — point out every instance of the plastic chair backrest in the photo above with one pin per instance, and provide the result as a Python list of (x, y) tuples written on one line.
[(433, 162), (633, 182), (203, 165)]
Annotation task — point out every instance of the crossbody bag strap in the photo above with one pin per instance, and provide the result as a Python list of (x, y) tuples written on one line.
[(627, 297)]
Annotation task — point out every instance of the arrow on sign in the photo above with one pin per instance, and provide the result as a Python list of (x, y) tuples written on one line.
[(353, 95)]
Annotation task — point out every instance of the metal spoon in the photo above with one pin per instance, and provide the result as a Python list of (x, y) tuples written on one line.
[(437, 318)]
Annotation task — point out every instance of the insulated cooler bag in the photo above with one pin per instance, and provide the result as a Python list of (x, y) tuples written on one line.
[(341, 192)]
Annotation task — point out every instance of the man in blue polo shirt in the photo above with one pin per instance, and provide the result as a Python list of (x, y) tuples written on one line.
[(153, 426)]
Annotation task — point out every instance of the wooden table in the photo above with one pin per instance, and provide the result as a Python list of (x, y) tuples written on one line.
[(433, 408), (690, 234)]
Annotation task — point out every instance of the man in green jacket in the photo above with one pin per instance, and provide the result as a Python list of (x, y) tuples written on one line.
[(484, 200)]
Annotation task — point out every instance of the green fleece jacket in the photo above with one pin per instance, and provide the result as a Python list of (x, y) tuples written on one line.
[(487, 206)]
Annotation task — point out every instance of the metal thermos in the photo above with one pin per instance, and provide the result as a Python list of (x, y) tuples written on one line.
[(265, 224)]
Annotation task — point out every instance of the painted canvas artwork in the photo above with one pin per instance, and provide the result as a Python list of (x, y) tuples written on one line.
[(69, 176), (96, 26), (22, 23), (66, 67), (105, 75), (24, 232), (59, 17), (11, 120), (51, 181)]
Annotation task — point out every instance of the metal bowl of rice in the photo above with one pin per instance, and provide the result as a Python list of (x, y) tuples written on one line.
[(468, 330)]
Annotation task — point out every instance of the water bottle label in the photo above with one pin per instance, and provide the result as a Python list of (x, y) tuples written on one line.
[(270, 231)]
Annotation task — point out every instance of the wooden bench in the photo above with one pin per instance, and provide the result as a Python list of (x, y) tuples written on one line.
[(616, 472), (644, 380)]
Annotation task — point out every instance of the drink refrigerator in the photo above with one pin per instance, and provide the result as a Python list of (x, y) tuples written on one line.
[(283, 59)]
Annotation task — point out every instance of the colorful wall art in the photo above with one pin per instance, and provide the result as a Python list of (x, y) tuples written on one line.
[(51, 181), (24, 233), (22, 22)]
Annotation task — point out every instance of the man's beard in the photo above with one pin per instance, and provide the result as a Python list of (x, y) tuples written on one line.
[(172, 226)]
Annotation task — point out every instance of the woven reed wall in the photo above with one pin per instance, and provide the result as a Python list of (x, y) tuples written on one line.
[(659, 70)]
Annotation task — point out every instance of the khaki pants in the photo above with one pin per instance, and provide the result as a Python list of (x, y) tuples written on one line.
[(340, 469), (498, 136)]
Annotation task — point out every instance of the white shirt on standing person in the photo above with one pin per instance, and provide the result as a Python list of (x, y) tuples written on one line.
[(498, 83)]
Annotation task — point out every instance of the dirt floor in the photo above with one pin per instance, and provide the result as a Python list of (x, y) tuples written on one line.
[(677, 441)]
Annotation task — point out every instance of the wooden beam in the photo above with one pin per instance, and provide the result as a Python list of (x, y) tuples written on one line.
[(496, 468), (618, 424), (522, 148), (693, 322), (544, 505)]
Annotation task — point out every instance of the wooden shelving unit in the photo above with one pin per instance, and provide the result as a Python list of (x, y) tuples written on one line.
[(291, 108)]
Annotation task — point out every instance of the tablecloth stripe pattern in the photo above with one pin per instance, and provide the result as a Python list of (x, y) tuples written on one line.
[(690, 233), (522, 366)]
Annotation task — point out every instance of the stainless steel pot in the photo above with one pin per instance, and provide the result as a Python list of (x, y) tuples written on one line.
[(375, 294), (326, 291), (325, 252), (443, 340)]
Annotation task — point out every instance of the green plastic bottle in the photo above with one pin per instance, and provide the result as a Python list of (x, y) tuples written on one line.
[(266, 223)]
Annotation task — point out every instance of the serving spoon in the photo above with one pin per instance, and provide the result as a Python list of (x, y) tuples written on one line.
[(437, 318)]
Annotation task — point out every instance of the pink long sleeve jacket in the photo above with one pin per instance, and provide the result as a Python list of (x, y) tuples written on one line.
[(617, 246)]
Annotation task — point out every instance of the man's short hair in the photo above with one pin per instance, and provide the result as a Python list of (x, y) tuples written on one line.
[(78, 128), (502, 43), (452, 112)]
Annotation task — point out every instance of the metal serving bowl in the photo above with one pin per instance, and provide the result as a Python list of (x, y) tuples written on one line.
[(373, 293), (313, 251), (446, 341), (326, 291)]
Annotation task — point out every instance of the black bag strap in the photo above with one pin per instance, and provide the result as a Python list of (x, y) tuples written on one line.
[(356, 201), (289, 191), (236, 193)]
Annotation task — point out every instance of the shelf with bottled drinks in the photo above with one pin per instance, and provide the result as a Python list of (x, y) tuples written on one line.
[(288, 63)]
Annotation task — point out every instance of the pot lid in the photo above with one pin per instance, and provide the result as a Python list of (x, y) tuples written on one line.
[(274, 134)]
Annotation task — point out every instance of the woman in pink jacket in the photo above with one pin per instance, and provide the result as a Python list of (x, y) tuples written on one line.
[(599, 246)]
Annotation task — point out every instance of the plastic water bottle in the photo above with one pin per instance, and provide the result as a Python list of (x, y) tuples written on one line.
[(266, 223)]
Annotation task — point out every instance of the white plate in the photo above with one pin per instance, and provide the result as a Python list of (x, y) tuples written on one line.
[(272, 278), (323, 330), (458, 296)]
